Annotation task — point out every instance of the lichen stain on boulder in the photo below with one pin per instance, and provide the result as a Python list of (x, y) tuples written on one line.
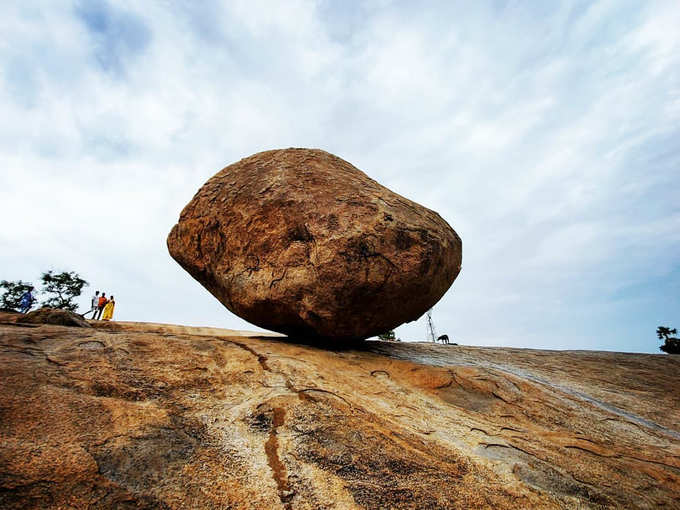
[(301, 242)]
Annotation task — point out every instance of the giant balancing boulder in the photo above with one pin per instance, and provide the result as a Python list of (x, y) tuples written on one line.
[(301, 242)]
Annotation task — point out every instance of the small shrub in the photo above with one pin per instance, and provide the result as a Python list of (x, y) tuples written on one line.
[(388, 336), (671, 344)]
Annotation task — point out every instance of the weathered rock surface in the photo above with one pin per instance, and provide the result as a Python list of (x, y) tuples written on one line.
[(127, 415), (54, 316), (301, 242)]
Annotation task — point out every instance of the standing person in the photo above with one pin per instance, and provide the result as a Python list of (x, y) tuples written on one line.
[(100, 305), (94, 304), (108, 309), (26, 300)]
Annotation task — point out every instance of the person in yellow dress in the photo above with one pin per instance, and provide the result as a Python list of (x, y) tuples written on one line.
[(107, 315)]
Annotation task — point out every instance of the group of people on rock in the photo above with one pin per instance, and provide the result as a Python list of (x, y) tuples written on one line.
[(101, 307)]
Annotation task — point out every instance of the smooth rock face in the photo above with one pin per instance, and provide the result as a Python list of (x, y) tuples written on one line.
[(143, 416), (301, 242)]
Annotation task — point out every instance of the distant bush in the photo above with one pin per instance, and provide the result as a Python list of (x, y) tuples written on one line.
[(671, 344), (389, 336)]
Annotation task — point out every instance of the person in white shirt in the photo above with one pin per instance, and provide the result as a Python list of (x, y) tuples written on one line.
[(94, 304)]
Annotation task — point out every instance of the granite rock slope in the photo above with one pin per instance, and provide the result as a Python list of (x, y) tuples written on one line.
[(301, 242), (136, 416)]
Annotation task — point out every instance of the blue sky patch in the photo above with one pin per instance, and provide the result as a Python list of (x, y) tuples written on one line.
[(118, 36)]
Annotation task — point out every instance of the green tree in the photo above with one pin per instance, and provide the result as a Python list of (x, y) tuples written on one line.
[(12, 292), (63, 288), (671, 345)]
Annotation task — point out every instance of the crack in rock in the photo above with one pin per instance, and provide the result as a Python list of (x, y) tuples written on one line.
[(271, 448)]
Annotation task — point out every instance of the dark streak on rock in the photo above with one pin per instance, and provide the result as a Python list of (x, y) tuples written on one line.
[(261, 358), (271, 448)]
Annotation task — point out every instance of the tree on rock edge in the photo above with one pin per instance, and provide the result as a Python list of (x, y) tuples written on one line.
[(63, 288), (671, 344)]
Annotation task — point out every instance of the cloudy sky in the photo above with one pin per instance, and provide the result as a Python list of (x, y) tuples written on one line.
[(547, 134)]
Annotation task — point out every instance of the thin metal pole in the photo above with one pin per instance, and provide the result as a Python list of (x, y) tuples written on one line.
[(430, 326)]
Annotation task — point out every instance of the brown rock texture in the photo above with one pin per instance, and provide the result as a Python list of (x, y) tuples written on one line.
[(54, 316), (301, 242), (128, 415)]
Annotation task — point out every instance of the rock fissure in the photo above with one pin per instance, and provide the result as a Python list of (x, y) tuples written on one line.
[(305, 390), (261, 358), (277, 280), (592, 452), (277, 467)]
